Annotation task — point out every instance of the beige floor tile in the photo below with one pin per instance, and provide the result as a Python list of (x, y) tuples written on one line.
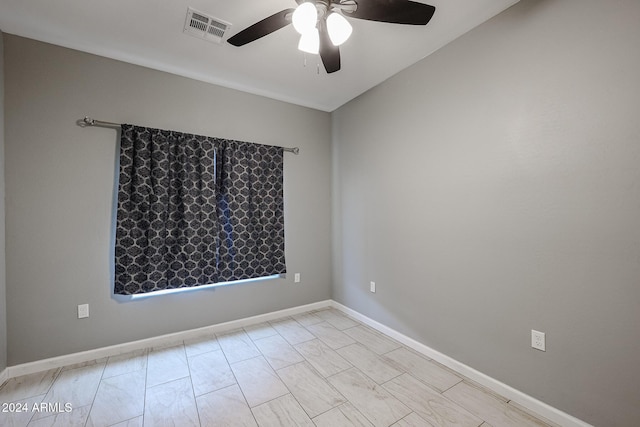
[(20, 388), (373, 401), (325, 360), (174, 343), (125, 363), (20, 412), (312, 391), (423, 369), (429, 404), (336, 318), (292, 331), (171, 404), (166, 364), (134, 422), (225, 408), (494, 411), (237, 346), (306, 319), (412, 420), (329, 335), (118, 399), (209, 372), (75, 418), (282, 412), (77, 387), (200, 345), (527, 411), (261, 330), (483, 388), (278, 351), (345, 415), (371, 339), (258, 381), (85, 363), (372, 365)]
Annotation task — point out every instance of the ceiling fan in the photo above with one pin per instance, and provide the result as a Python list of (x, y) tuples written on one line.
[(323, 26)]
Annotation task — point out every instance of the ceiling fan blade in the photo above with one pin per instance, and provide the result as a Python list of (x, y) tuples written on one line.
[(262, 28), (329, 53), (393, 11)]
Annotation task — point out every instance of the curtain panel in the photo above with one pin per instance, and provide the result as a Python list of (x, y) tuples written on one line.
[(194, 210), (250, 211)]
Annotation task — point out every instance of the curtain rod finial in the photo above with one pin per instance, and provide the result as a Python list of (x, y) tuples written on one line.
[(87, 121)]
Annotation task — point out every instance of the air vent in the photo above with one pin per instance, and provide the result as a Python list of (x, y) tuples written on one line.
[(204, 26)]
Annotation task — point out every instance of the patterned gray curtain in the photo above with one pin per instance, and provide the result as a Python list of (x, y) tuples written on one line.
[(251, 211), (184, 220)]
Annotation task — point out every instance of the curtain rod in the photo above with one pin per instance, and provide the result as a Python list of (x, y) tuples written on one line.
[(88, 121)]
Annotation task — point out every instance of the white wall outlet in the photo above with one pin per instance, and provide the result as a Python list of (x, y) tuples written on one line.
[(538, 340), (83, 311), (372, 287), (296, 278)]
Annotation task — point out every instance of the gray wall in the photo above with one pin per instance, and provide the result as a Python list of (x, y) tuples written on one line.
[(494, 188), (3, 305), (59, 186)]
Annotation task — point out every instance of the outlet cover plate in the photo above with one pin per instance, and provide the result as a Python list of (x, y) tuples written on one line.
[(538, 340), (372, 287), (83, 311)]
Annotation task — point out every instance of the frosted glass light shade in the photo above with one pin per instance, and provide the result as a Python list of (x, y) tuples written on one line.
[(305, 17), (339, 28), (310, 41)]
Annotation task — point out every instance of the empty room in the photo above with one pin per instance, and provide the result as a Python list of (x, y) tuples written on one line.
[(320, 213)]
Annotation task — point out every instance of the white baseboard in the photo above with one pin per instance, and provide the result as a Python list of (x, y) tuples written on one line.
[(114, 350), (527, 402)]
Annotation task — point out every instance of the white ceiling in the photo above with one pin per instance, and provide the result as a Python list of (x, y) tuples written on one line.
[(150, 33)]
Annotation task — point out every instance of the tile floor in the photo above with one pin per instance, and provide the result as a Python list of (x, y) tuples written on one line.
[(319, 368)]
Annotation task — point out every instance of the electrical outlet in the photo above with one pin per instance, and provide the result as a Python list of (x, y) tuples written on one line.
[(538, 340), (296, 278), (372, 287), (83, 311)]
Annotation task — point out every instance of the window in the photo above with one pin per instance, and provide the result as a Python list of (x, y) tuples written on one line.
[(195, 210)]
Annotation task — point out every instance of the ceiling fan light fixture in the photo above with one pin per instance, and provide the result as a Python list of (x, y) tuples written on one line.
[(339, 28), (310, 41), (304, 18)]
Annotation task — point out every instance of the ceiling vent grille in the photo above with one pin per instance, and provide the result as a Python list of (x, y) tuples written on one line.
[(205, 27)]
